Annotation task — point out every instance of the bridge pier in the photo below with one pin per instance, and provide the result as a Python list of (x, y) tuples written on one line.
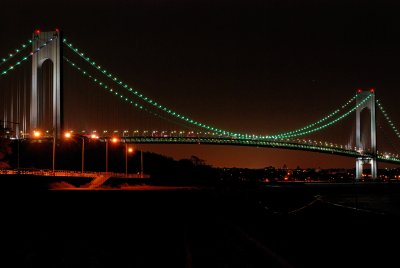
[(360, 162)]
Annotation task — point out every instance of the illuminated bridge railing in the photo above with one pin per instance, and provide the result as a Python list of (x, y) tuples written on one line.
[(175, 137), (244, 142), (290, 144), (70, 173), (311, 146)]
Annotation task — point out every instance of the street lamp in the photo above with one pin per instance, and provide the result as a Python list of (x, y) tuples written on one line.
[(38, 134), (113, 140), (127, 150), (141, 163), (54, 151), (68, 135), (106, 155)]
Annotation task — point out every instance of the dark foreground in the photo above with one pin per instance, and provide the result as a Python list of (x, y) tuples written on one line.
[(287, 226)]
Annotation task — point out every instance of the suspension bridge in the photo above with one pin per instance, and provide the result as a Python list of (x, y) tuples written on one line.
[(37, 105)]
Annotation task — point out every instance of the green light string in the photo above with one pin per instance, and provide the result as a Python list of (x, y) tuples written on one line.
[(116, 93), (17, 51), (331, 122), (389, 159), (120, 83), (147, 99), (258, 143), (12, 67), (390, 122), (271, 143), (315, 123)]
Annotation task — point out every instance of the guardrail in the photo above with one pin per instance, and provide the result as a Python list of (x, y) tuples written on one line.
[(70, 173)]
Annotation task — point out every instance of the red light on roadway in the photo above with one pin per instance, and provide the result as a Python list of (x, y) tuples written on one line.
[(359, 90), (57, 30), (372, 90), (37, 31)]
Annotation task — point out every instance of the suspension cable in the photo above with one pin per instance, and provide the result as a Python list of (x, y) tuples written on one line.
[(282, 135), (117, 94), (389, 121), (12, 67), (294, 133), (147, 99), (329, 123), (17, 51)]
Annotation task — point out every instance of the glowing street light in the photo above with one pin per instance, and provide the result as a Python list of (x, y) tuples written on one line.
[(113, 140), (37, 134), (68, 135), (127, 150)]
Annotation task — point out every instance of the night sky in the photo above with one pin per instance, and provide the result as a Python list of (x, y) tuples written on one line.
[(246, 66)]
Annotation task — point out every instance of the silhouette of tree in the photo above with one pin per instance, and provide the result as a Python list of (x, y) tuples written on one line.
[(197, 161)]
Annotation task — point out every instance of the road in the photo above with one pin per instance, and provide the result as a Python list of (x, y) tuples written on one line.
[(187, 228)]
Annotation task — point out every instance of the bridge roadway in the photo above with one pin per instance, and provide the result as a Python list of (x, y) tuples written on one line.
[(287, 144), (279, 144)]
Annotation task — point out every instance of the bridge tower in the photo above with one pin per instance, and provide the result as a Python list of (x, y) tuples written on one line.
[(363, 145), (50, 49)]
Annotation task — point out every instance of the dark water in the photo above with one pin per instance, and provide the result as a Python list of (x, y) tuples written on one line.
[(292, 226)]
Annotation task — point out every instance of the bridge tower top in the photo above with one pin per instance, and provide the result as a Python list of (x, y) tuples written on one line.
[(369, 104), (367, 147), (46, 46)]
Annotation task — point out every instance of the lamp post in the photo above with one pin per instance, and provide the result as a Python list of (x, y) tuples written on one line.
[(127, 150), (54, 151), (113, 140), (106, 156), (141, 163), (18, 141), (83, 153), (37, 134), (68, 135)]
